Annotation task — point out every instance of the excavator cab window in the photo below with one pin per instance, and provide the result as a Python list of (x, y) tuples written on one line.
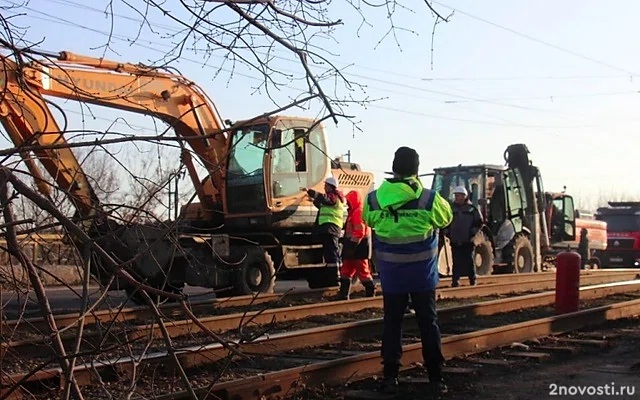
[(245, 172), (298, 157), (288, 161), (247, 153), (289, 153)]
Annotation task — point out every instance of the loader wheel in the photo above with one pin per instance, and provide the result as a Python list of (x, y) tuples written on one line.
[(522, 255), (257, 273), (483, 255)]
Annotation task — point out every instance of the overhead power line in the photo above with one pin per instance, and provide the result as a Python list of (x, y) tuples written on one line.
[(540, 41)]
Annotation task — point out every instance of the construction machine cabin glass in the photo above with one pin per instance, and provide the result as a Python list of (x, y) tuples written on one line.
[(293, 158), (563, 224), (472, 179), (245, 173), (298, 160)]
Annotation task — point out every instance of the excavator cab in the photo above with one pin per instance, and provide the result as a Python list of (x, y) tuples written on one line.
[(270, 163)]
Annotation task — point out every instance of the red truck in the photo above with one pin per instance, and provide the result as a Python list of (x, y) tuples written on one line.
[(623, 234)]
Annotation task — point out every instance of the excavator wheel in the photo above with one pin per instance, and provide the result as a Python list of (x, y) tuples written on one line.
[(522, 255), (257, 273), (483, 255)]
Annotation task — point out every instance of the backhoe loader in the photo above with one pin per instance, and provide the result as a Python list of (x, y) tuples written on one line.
[(251, 216), (524, 226)]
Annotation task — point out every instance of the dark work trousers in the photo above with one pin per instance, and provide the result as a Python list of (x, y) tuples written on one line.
[(424, 304), (463, 264), (331, 251)]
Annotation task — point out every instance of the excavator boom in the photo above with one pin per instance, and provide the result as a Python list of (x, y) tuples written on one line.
[(29, 122), (175, 100)]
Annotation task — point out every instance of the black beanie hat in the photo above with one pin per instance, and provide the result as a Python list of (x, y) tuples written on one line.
[(406, 161)]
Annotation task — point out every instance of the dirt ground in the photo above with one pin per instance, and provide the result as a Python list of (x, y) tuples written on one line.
[(613, 367)]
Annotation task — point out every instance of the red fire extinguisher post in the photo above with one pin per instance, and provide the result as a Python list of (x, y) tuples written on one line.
[(567, 282)]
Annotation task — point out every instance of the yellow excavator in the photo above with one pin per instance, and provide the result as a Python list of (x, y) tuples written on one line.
[(251, 217)]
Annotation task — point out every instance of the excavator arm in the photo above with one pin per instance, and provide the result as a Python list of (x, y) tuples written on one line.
[(29, 122), (175, 100)]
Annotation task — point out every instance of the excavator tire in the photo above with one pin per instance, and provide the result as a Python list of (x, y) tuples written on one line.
[(483, 255), (257, 273), (522, 255)]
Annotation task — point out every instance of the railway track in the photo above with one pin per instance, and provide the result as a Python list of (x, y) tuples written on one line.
[(287, 382), (97, 339), (588, 358), (199, 356), (534, 281)]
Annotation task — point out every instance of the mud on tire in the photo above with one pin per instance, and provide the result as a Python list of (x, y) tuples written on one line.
[(257, 273), (522, 255), (483, 254)]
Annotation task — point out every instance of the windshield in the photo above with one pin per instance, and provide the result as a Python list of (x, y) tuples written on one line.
[(621, 223), (246, 158), (446, 182)]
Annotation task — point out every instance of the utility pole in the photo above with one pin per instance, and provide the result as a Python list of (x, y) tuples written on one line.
[(173, 196), (175, 202)]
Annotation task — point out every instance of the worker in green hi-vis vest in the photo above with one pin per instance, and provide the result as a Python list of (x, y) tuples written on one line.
[(329, 222)]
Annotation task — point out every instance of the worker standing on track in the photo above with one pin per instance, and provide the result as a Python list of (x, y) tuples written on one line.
[(355, 249), (467, 221), (406, 218), (330, 221), (583, 248)]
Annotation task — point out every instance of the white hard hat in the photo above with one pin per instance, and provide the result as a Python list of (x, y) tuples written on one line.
[(331, 181), (461, 190)]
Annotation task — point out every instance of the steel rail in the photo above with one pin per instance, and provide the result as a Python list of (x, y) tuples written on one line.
[(266, 316), (284, 383), (232, 321), (194, 356), (204, 306)]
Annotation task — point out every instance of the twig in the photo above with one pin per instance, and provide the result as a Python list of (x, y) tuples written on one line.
[(38, 287)]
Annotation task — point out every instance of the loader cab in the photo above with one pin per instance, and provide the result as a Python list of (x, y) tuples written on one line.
[(485, 184)]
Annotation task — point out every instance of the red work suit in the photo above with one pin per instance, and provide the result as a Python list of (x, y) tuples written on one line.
[(357, 238)]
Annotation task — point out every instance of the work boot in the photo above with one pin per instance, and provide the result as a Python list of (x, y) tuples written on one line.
[(389, 384), (437, 387), (345, 285), (369, 288)]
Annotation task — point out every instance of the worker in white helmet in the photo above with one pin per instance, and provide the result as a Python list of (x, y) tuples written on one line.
[(467, 221), (330, 221)]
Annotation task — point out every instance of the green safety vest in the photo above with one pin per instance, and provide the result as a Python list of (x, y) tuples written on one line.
[(332, 214), (401, 215)]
